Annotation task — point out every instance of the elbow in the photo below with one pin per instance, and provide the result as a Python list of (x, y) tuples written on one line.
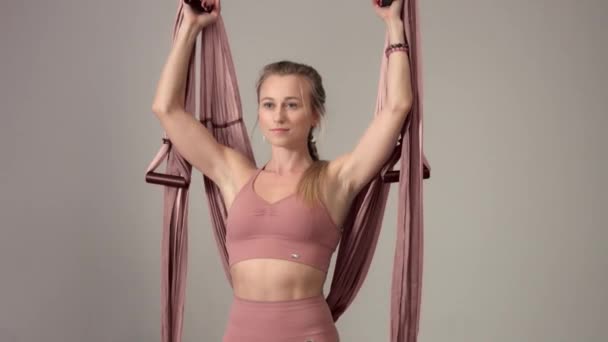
[(402, 107), (162, 109), (158, 111)]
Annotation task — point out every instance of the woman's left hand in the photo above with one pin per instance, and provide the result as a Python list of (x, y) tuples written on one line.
[(201, 20), (389, 13)]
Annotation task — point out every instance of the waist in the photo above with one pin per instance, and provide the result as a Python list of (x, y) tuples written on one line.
[(273, 279)]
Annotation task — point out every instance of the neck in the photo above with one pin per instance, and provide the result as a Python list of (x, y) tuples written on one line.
[(290, 164)]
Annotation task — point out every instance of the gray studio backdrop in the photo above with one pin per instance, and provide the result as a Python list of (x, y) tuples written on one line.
[(515, 212)]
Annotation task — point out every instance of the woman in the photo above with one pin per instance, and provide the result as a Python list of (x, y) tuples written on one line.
[(284, 218)]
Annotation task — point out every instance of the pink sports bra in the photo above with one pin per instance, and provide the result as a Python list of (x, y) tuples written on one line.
[(287, 229)]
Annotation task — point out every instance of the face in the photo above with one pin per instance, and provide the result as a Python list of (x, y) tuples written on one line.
[(282, 105)]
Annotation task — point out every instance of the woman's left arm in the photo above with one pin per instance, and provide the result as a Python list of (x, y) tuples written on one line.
[(356, 168)]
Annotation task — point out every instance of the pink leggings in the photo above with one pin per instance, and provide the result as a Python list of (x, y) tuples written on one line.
[(300, 320)]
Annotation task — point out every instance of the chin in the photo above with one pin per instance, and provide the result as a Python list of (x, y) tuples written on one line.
[(286, 143)]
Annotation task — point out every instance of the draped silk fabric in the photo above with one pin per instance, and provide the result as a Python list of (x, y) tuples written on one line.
[(221, 113)]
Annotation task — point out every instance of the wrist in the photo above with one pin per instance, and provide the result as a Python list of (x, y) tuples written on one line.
[(393, 23), (189, 30), (395, 30)]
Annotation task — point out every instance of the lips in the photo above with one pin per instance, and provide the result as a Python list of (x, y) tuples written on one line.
[(280, 129)]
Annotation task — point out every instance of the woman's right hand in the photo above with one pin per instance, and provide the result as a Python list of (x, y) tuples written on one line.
[(201, 20), (389, 13)]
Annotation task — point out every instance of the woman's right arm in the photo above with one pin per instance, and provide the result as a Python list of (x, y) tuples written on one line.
[(189, 136)]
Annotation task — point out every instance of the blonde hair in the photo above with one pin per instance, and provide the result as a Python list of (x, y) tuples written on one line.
[(308, 187)]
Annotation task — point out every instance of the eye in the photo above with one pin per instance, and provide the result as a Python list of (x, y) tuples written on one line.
[(267, 104), (293, 105)]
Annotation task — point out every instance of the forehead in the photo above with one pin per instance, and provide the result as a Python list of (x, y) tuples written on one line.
[(282, 86)]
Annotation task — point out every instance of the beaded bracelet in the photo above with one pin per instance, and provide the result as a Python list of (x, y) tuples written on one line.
[(396, 47)]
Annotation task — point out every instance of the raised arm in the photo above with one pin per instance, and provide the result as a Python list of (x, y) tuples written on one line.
[(189, 136), (358, 167)]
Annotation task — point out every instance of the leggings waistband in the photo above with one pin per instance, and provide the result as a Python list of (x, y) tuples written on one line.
[(292, 320), (283, 304)]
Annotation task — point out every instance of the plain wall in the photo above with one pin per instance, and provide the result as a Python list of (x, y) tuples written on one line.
[(515, 100)]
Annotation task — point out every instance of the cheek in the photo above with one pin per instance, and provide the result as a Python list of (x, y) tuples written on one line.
[(264, 117), (304, 120)]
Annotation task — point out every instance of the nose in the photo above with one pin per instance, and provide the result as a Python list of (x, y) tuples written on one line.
[(278, 115)]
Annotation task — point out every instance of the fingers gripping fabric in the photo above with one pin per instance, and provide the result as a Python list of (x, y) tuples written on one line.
[(221, 113)]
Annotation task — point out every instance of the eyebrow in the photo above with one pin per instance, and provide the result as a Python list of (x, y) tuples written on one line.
[(287, 98)]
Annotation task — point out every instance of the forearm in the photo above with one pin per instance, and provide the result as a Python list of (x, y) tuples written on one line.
[(171, 88), (399, 88)]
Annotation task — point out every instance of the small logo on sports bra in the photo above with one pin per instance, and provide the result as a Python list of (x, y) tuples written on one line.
[(295, 255)]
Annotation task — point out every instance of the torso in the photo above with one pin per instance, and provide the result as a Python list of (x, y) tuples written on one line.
[(275, 279)]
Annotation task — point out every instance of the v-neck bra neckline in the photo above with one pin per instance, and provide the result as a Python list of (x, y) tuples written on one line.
[(251, 186)]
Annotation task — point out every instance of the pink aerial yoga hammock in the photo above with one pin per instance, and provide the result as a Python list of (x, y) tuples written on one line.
[(221, 113)]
